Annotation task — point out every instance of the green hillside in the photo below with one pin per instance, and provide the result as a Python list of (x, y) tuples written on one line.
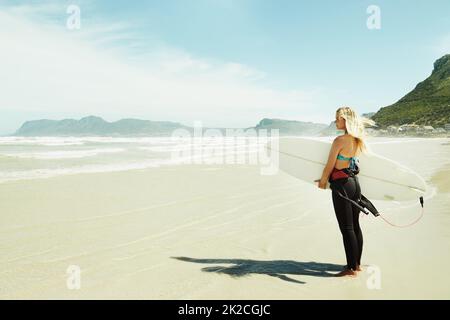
[(427, 104)]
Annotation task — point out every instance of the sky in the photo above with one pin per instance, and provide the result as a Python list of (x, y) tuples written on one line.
[(225, 63)]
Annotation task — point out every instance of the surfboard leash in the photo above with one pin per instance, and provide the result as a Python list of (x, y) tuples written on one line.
[(409, 224), (376, 213)]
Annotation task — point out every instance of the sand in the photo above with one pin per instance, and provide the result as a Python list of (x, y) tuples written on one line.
[(217, 232)]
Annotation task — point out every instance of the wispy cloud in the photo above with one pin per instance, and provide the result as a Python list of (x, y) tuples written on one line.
[(35, 10), (50, 69)]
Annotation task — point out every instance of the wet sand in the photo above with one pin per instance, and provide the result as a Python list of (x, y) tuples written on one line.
[(217, 232)]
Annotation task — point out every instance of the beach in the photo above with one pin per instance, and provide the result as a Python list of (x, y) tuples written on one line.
[(211, 231)]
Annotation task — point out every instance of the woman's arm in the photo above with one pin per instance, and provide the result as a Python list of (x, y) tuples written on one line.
[(336, 146)]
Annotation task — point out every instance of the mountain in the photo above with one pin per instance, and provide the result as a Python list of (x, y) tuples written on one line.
[(368, 115), (291, 127), (330, 130), (427, 104), (96, 126)]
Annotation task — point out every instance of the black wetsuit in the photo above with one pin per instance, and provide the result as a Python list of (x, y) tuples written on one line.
[(348, 219)]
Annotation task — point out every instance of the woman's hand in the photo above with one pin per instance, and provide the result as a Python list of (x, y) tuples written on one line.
[(322, 183)]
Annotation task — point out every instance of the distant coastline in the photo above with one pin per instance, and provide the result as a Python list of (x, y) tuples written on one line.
[(96, 126)]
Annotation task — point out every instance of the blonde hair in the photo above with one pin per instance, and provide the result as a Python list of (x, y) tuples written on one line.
[(355, 126)]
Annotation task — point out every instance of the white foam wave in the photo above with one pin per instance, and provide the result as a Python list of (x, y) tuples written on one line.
[(63, 154), (217, 158)]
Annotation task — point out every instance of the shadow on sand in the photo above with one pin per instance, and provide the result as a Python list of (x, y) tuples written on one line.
[(274, 268)]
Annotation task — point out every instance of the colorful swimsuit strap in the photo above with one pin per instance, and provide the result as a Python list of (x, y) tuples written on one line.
[(353, 161), (341, 157)]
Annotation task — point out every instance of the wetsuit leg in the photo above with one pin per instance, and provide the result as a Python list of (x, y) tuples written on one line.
[(357, 228), (348, 220)]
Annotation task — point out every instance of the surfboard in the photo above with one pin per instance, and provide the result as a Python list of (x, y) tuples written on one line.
[(380, 178)]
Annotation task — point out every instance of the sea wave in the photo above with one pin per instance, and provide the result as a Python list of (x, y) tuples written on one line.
[(43, 141), (63, 154), (92, 168), (206, 158)]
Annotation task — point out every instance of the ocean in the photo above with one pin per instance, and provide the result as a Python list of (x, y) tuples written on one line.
[(42, 157)]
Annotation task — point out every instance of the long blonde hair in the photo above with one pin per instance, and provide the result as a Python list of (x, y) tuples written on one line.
[(355, 126)]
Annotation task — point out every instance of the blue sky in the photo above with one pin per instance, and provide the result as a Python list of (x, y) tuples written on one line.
[(223, 62)]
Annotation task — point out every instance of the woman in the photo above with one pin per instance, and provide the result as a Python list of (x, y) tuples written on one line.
[(343, 158)]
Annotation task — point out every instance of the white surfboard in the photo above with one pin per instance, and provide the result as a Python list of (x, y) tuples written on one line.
[(380, 178)]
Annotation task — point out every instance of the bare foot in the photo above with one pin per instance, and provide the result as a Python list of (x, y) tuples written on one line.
[(346, 272), (358, 268)]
